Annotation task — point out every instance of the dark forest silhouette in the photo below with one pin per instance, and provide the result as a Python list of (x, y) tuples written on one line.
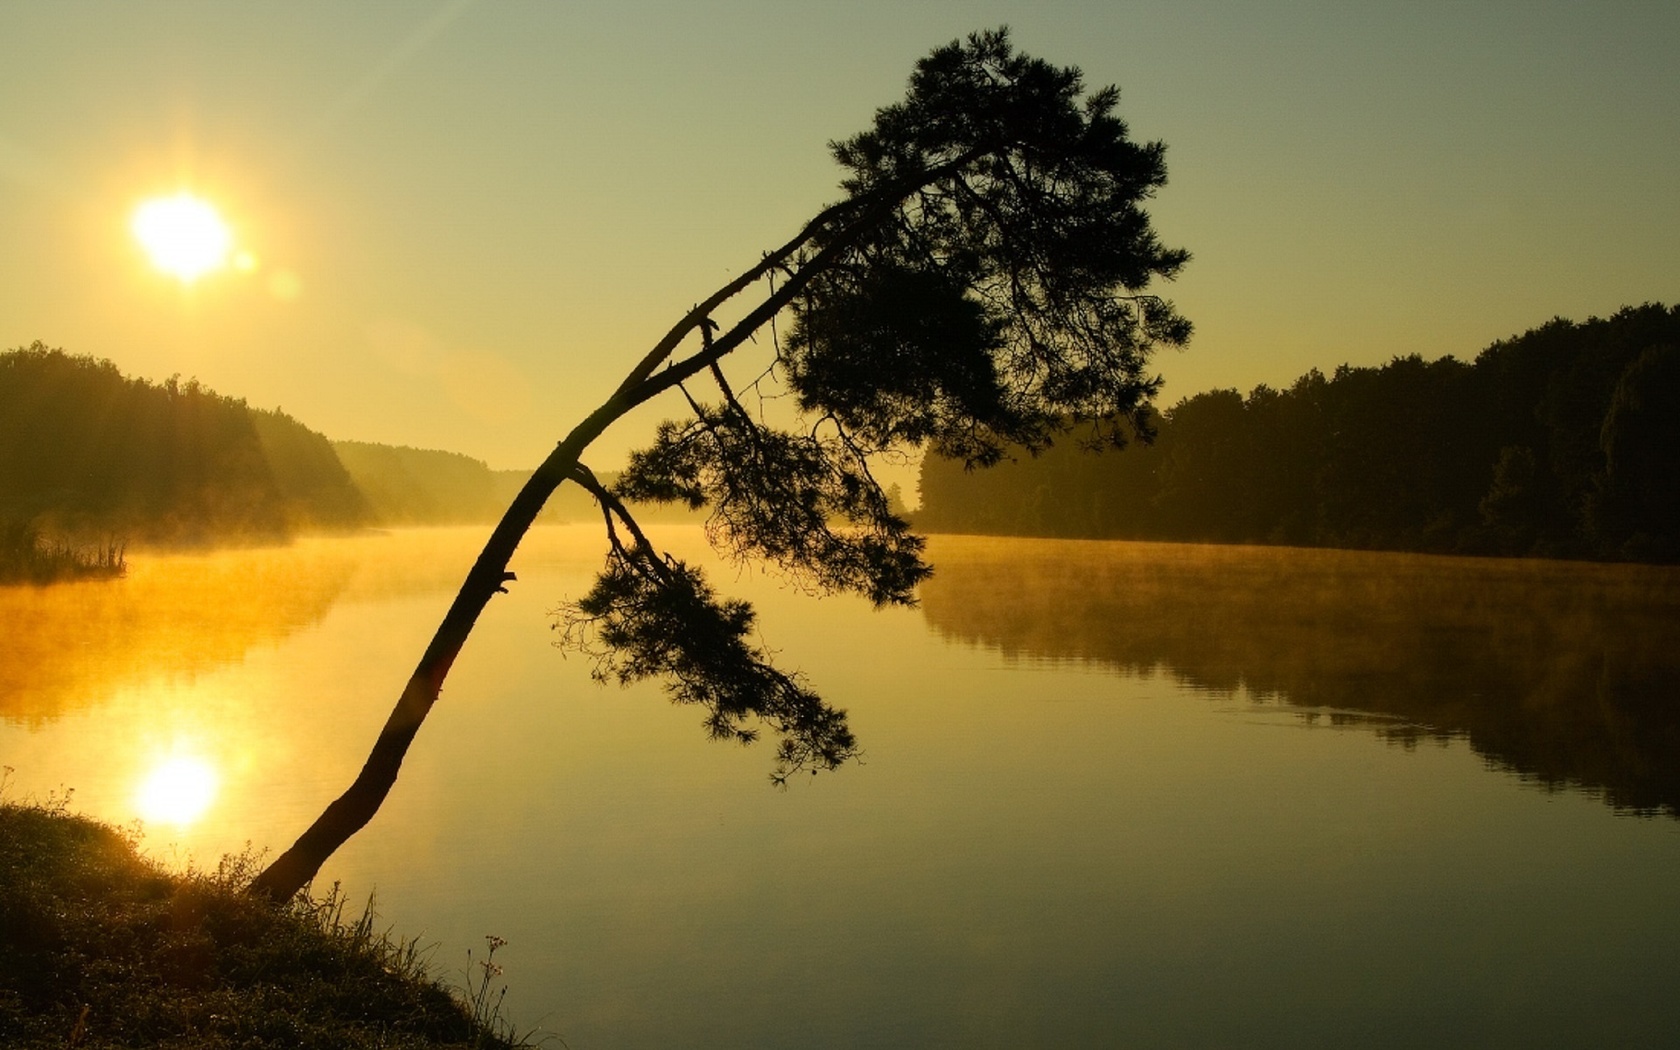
[(1563, 441), (88, 452), (92, 460)]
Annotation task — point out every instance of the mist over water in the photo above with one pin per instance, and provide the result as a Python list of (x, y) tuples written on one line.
[(1563, 672), (1111, 794)]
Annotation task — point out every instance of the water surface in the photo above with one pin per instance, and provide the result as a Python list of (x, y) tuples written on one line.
[(1113, 794)]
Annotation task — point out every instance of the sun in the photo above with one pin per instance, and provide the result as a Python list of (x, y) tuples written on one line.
[(183, 235)]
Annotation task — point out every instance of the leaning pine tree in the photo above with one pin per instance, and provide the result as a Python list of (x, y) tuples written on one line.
[(981, 285)]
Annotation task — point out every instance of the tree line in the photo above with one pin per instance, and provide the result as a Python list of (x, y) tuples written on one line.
[(1563, 441), (87, 450), (91, 458)]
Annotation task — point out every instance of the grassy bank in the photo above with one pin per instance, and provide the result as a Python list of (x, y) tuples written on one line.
[(101, 948)]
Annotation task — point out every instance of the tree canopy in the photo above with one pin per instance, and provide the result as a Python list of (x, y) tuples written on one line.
[(982, 283)]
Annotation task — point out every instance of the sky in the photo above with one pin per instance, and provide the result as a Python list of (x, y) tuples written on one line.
[(466, 219)]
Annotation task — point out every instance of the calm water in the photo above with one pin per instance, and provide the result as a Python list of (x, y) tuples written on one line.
[(1113, 794)]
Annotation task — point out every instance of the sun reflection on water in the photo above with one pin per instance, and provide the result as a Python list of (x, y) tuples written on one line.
[(178, 790)]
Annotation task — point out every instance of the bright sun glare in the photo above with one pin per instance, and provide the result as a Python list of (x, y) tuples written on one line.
[(183, 235), (178, 791)]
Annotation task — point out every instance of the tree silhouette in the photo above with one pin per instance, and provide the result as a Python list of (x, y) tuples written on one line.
[(982, 284)]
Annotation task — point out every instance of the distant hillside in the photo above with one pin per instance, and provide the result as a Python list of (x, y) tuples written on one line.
[(85, 450), (88, 454), (1563, 441), (414, 486), (408, 486)]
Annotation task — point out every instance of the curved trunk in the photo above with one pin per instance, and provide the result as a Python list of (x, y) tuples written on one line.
[(351, 811)]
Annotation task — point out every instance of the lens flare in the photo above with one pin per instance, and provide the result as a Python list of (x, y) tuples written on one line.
[(183, 235), (178, 791)]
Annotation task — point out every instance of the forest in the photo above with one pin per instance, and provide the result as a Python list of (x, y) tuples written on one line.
[(86, 451), (1563, 441), (92, 460)]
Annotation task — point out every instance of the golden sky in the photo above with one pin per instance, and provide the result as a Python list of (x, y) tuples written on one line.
[(466, 219)]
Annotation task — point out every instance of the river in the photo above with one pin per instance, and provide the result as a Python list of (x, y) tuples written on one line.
[(1111, 794)]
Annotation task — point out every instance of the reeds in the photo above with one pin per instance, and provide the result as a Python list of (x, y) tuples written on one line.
[(29, 555)]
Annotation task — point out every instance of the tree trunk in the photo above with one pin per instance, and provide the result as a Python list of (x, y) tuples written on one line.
[(350, 812)]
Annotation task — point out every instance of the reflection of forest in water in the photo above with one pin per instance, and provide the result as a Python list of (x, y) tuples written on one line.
[(1567, 673), (67, 646)]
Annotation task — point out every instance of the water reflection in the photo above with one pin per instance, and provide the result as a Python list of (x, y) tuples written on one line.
[(72, 645), (1568, 674), (1121, 866), (177, 790), (221, 698)]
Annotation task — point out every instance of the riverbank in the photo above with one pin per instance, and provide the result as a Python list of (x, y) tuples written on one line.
[(102, 948)]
